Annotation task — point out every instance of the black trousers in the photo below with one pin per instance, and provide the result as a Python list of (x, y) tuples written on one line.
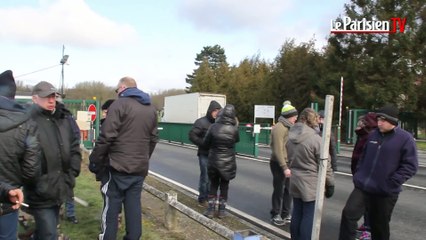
[(379, 210), (216, 182), (352, 212), (281, 199)]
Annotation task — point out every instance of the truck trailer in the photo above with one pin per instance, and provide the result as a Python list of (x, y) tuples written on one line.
[(186, 108)]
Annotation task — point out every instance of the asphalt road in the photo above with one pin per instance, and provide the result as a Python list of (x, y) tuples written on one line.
[(251, 191)]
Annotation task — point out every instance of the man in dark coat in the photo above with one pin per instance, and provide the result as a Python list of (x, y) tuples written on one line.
[(389, 159), (125, 145), (196, 135), (19, 150), (60, 160)]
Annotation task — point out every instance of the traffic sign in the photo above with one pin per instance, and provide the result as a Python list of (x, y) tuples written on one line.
[(92, 112)]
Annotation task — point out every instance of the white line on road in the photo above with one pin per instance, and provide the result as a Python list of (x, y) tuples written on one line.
[(405, 185), (266, 160)]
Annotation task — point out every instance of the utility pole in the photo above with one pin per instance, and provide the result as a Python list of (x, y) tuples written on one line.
[(63, 61)]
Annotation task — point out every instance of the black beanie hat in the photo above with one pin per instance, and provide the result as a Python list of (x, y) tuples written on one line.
[(7, 84), (390, 113), (106, 104)]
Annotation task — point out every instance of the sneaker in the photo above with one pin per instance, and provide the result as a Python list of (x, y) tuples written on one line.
[(72, 219), (277, 220), (288, 219)]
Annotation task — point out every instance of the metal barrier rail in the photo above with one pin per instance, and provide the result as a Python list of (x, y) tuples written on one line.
[(174, 205)]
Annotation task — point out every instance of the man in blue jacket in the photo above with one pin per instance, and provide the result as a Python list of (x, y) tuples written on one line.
[(389, 159)]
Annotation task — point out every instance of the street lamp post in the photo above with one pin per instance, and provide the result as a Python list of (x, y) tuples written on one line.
[(62, 62)]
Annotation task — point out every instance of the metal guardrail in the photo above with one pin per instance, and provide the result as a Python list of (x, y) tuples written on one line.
[(171, 217), (178, 132)]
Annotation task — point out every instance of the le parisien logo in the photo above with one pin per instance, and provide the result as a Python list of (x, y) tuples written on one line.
[(348, 25)]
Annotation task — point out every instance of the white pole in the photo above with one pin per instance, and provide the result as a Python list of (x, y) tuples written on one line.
[(341, 101), (322, 171), (339, 126)]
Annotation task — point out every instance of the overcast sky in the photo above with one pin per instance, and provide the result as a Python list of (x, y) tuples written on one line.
[(154, 42)]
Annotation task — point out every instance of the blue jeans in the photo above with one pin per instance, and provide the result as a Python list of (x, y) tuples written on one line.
[(9, 226), (46, 222), (204, 183), (302, 219), (70, 208)]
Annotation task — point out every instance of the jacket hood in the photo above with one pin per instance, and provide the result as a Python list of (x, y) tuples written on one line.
[(139, 95), (300, 132), (12, 114), (213, 106), (227, 115)]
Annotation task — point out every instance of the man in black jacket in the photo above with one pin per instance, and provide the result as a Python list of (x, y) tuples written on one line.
[(196, 135), (19, 150), (60, 158), (127, 140)]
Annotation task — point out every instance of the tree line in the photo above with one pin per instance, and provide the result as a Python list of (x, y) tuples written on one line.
[(377, 68)]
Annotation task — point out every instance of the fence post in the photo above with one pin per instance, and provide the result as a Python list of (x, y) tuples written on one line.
[(171, 220)]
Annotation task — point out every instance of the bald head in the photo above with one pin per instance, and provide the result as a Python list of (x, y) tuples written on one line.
[(125, 82), (128, 82)]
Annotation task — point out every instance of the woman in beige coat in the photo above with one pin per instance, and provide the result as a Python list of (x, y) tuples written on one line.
[(303, 151)]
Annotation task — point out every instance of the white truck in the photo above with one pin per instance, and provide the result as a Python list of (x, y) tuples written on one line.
[(186, 108)]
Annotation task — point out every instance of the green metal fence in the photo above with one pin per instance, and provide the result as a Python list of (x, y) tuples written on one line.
[(178, 132)]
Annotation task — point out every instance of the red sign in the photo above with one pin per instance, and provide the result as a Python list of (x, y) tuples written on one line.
[(92, 112)]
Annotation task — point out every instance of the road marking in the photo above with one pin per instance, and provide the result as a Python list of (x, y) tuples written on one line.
[(405, 185), (266, 160)]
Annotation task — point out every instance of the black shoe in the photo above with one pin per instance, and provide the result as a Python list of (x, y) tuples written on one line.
[(72, 219)]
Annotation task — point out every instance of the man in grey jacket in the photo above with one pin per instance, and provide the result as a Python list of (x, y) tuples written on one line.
[(127, 140)]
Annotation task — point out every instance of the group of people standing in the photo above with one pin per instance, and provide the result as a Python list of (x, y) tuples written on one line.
[(384, 157), (40, 158), (40, 153)]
